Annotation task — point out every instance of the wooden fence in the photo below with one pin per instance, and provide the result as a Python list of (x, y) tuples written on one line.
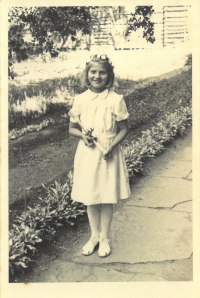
[(175, 24), (171, 26)]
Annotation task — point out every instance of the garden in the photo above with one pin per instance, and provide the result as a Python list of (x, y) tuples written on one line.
[(41, 151), (158, 112)]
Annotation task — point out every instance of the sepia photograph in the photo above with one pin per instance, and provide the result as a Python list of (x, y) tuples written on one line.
[(100, 145)]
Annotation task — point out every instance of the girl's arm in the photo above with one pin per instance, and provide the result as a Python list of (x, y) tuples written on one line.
[(75, 131), (123, 131)]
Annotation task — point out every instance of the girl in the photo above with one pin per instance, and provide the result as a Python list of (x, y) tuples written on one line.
[(100, 179)]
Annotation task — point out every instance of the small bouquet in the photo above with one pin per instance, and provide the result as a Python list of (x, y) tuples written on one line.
[(88, 132)]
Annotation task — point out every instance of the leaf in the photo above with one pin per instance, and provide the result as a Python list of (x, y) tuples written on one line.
[(18, 237), (31, 247), (44, 186), (21, 264), (57, 185), (54, 190), (27, 229), (33, 236), (14, 256), (71, 223), (38, 240), (38, 231), (24, 259)]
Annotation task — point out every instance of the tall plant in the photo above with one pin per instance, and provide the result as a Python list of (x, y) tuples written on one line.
[(141, 18)]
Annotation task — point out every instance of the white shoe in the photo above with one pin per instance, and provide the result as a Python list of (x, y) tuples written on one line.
[(104, 247), (90, 246)]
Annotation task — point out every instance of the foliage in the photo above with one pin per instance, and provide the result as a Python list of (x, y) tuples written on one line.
[(46, 88), (16, 133), (17, 47), (189, 60), (46, 96), (41, 222), (16, 43), (141, 19), (44, 21), (153, 140)]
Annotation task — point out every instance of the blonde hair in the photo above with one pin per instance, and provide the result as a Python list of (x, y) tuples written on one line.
[(84, 75)]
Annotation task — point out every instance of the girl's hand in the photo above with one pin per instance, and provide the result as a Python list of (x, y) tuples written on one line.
[(108, 153), (87, 140)]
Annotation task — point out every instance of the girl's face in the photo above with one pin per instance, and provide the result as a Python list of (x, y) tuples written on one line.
[(97, 77)]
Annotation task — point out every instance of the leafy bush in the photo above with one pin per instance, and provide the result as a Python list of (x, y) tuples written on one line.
[(16, 133), (40, 223), (44, 97), (45, 88), (152, 140)]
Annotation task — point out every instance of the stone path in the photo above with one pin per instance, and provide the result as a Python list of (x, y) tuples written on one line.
[(151, 232)]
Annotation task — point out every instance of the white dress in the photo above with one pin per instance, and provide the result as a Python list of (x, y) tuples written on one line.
[(98, 181)]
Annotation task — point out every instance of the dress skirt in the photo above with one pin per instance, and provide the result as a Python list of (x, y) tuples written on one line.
[(99, 181)]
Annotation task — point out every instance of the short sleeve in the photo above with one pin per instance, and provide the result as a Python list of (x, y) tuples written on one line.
[(120, 110), (76, 110)]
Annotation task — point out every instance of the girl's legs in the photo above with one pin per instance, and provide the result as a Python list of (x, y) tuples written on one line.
[(95, 216), (100, 213), (93, 212), (106, 219)]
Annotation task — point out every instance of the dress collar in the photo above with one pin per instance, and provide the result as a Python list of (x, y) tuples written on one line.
[(93, 95)]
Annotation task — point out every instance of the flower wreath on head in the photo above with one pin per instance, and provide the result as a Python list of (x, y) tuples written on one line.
[(101, 57)]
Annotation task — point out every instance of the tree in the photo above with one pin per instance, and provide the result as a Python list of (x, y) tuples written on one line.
[(42, 23), (67, 20), (141, 19), (16, 43)]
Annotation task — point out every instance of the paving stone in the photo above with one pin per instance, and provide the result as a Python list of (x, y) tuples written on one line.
[(146, 235), (161, 192)]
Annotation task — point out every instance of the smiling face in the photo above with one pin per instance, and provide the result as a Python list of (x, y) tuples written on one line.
[(97, 77)]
